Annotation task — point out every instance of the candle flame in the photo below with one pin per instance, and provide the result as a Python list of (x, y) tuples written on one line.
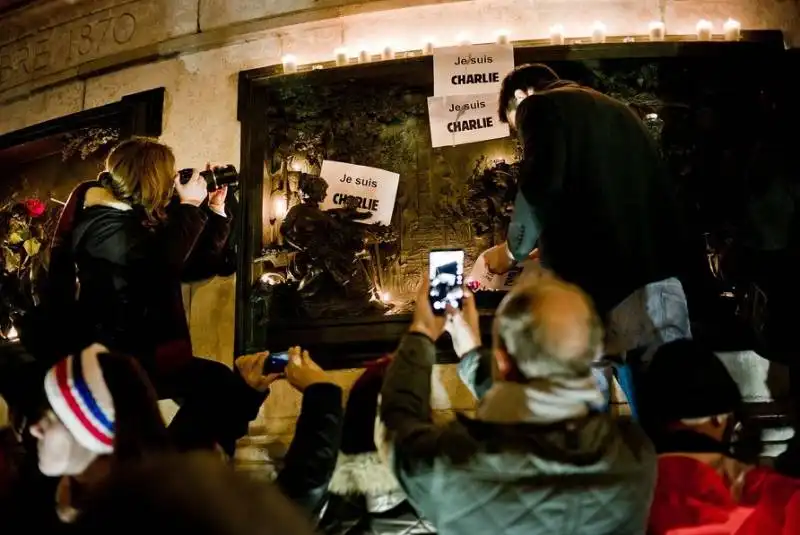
[(279, 207), (12, 335)]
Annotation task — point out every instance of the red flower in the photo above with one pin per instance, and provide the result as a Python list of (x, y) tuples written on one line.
[(35, 207)]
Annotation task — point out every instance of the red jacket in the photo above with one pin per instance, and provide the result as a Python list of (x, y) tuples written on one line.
[(694, 498)]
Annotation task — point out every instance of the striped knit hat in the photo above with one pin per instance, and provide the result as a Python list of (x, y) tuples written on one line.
[(79, 396)]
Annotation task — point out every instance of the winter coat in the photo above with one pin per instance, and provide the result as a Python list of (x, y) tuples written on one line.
[(592, 475)]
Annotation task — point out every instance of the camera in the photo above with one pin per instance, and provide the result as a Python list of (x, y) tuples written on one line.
[(215, 178)]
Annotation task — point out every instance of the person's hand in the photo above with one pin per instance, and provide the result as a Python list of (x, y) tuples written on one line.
[(302, 372), (535, 255), (425, 322), (251, 368), (498, 260), (216, 199), (464, 326), (194, 192)]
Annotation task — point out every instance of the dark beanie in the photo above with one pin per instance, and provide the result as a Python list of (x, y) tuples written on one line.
[(358, 430), (686, 380)]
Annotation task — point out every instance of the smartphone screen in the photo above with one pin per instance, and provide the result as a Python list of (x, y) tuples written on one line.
[(446, 279), (276, 362)]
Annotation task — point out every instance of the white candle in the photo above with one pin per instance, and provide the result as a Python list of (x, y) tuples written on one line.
[(289, 64), (427, 47), (502, 37), (658, 31), (463, 39), (388, 53), (598, 32), (364, 56), (279, 207), (733, 30), (557, 35), (12, 335), (341, 57), (704, 29)]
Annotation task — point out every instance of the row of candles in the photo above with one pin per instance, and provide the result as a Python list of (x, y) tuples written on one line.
[(732, 31)]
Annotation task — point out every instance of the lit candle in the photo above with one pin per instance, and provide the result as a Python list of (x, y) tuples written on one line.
[(12, 335), (658, 31), (557, 35), (598, 32), (704, 28), (463, 39), (733, 30), (364, 56), (386, 297), (341, 57), (502, 37), (388, 53), (279, 207), (289, 64), (427, 47)]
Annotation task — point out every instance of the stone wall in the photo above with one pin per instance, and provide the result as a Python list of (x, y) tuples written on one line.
[(58, 58)]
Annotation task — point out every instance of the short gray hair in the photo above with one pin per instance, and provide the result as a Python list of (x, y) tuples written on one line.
[(519, 330)]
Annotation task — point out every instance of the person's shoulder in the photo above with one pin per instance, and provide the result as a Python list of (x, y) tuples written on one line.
[(537, 108)]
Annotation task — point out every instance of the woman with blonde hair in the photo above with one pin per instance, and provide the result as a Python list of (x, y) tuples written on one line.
[(122, 247)]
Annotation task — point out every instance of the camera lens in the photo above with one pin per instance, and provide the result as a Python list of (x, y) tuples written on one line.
[(220, 176), (226, 176)]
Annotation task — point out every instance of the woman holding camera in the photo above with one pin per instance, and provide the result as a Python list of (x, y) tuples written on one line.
[(131, 237)]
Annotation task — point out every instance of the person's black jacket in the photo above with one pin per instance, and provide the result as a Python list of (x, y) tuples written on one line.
[(311, 458), (609, 218), (130, 276)]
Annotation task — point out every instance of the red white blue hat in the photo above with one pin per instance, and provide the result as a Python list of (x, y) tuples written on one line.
[(79, 396)]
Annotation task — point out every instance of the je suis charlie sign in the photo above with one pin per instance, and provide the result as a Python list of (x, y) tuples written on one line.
[(469, 70), (460, 119), (466, 82), (374, 189)]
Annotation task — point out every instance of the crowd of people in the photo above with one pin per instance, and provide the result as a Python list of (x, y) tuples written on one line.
[(89, 451)]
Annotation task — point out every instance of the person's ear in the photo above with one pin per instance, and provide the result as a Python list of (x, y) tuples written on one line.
[(505, 366), (521, 94)]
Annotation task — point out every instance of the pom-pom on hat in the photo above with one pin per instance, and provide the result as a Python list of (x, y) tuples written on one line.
[(77, 392)]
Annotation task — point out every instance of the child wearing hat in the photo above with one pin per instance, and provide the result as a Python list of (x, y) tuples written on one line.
[(102, 410)]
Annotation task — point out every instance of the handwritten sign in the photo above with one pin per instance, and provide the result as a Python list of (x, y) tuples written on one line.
[(466, 70), (374, 189), (481, 277), (460, 119)]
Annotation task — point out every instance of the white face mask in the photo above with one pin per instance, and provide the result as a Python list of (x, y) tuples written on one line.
[(59, 453)]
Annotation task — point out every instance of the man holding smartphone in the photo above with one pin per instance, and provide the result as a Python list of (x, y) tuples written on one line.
[(535, 458), (595, 197)]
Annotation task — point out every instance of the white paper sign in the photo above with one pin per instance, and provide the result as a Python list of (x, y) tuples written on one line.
[(460, 119), (481, 277), (466, 70), (374, 188)]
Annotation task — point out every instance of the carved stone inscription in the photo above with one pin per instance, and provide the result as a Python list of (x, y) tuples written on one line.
[(88, 37)]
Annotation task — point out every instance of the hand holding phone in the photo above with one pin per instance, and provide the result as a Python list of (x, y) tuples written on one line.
[(276, 362), (446, 275)]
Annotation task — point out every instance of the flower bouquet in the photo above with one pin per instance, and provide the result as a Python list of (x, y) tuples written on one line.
[(25, 226)]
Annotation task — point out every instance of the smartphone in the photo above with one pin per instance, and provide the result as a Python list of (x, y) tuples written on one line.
[(276, 362), (446, 273)]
